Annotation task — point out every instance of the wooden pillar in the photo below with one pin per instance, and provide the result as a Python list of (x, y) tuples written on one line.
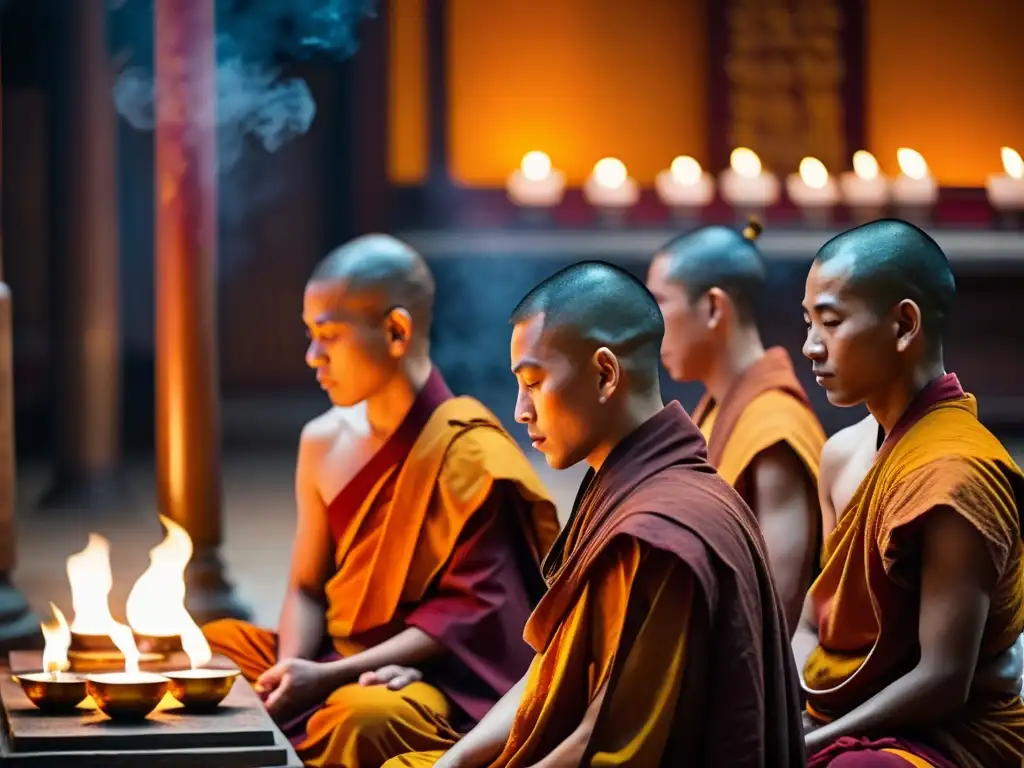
[(18, 627), (188, 436), (87, 332)]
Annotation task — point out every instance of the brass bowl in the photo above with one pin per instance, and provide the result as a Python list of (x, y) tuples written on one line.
[(53, 694), (126, 695), (201, 690), (92, 643), (159, 645)]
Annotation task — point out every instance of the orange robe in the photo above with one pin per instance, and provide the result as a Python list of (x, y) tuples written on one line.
[(443, 530), (660, 626), (867, 599), (765, 407)]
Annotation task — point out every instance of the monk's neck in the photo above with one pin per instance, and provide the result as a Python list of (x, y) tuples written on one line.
[(386, 409), (737, 355), (890, 405), (634, 415)]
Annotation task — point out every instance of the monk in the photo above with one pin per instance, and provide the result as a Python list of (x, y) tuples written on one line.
[(907, 642), (660, 641), (421, 525), (763, 436)]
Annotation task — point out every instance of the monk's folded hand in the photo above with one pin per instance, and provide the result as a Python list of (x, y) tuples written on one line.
[(292, 685), (393, 676)]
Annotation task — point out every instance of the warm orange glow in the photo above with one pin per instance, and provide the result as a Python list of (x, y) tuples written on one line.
[(814, 173), (91, 581), (745, 162), (912, 163), (685, 170), (610, 173), (125, 642), (1012, 163), (408, 95), (57, 636), (535, 165), (865, 165), (156, 604)]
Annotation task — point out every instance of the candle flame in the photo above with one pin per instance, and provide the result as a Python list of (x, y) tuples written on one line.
[(156, 604), (610, 173), (865, 165), (195, 646), (912, 163), (91, 581), (745, 162), (535, 165), (1012, 163), (57, 635), (814, 173), (685, 170), (125, 642)]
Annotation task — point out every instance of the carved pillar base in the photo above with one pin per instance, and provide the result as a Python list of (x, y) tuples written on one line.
[(209, 595), (19, 628)]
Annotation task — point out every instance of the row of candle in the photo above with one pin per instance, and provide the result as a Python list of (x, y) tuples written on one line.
[(746, 184)]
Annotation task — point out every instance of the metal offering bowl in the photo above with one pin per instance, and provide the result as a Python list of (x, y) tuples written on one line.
[(92, 643), (53, 694), (160, 645), (201, 690), (126, 695)]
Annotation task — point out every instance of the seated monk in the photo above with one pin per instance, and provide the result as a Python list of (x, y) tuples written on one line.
[(763, 436), (908, 639), (421, 525), (660, 641)]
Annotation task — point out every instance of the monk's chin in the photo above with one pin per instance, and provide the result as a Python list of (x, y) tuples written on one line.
[(841, 399)]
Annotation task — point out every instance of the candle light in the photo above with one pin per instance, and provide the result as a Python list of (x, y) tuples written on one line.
[(746, 186), (535, 184), (684, 187), (813, 190), (54, 689), (1006, 190), (610, 189), (914, 191), (865, 190)]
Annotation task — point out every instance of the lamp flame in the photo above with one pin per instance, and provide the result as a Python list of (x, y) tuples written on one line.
[(865, 165), (685, 170), (57, 635), (125, 641), (535, 165), (156, 604), (1012, 163), (745, 162), (91, 581), (814, 173), (610, 173), (912, 163)]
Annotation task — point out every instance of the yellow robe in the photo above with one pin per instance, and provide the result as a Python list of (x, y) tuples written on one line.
[(866, 598), (392, 553)]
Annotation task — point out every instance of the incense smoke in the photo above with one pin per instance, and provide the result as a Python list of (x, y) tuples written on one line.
[(253, 99)]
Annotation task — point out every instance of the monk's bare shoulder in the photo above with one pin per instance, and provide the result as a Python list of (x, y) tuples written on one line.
[(845, 460), (333, 447)]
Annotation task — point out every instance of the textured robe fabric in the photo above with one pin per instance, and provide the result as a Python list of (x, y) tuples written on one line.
[(660, 621), (867, 598), (443, 530)]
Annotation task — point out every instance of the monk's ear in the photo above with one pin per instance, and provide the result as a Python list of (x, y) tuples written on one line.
[(907, 324), (398, 329), (719, 308), (609, 373)]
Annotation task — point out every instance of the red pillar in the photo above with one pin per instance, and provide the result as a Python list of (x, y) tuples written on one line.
[(188, 437)]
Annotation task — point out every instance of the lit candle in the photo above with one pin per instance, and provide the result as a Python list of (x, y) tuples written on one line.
[(535, 184), (609, 185), (1006, 190), (865, 189), (745, 185), (914, 190), (684, 185), (812, 190)]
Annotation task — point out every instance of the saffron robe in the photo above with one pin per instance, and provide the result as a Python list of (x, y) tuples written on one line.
[(765, 407), (661, 610), (867, 597), (443, 529)]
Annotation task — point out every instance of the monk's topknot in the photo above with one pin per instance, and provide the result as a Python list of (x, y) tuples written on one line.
[(753, 230)]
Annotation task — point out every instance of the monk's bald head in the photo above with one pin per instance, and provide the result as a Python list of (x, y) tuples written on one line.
[(384, 272), (716, 257), (890, 260), (593, 304)]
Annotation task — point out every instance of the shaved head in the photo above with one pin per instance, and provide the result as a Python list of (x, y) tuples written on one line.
[(717, 257), (890, 260), (385, 269), (594, 304)]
